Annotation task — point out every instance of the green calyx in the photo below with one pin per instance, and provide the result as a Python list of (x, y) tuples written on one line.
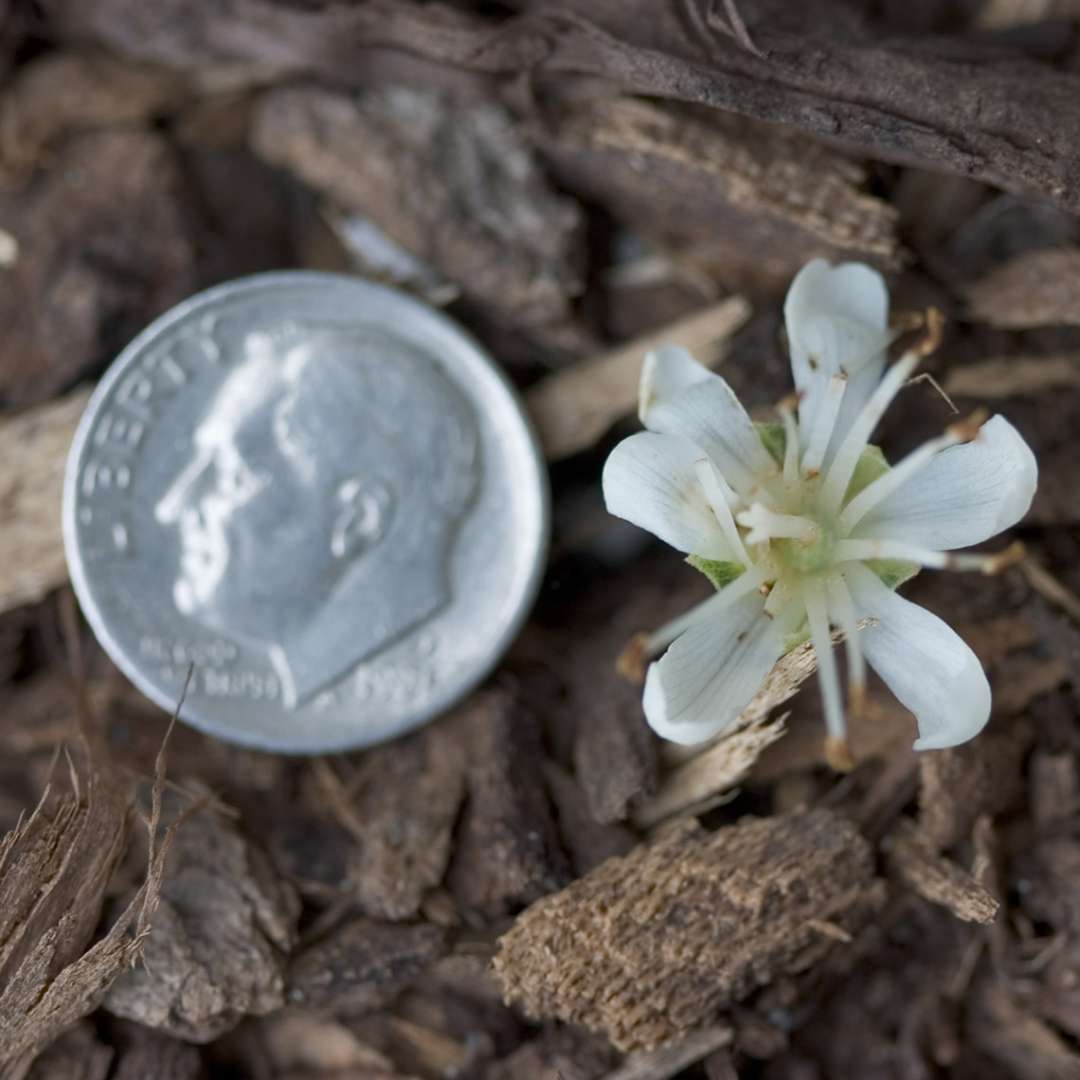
[(720, 573)]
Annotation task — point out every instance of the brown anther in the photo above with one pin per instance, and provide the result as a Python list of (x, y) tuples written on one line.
[(932, 333), (634, 659), (965, 430), (838, 754), (788, 404), (765, 588), (1012, 555)]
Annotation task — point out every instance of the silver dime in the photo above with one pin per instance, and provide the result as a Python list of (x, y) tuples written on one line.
[(319, 492)]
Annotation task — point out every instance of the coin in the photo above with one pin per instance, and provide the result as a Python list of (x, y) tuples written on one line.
[(321, 494)]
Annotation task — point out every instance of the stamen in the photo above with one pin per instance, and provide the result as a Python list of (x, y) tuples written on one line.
[(720, 498), (766, 525), (855, 442), (786, 408), (781, 595), (961, 432), (824, 425), (861, 550), (745, 583), (842, 609), (838, 754), (817, 613)]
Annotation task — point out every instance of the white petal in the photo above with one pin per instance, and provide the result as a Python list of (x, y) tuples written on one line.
[(707, 412), (667, 371), (836, 317), (711, 673), (924, 663), (963, 496), (651, 480)]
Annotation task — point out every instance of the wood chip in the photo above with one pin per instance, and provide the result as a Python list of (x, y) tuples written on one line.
[(476, 206), (997, 14), (145, 1053), (562, 1052), (33, 447), (361, 966), (76, 1055), (766, 199), (215, 953), (100, 257), (58, 93), (1040, 288), (649, 946), (698, 782), (1054, 787), (54, 869), (984, 776), (574, 407), (666, 1061), (963, 106), (1004, 1030), (297, 1039), (913, 858), (507, 851), (407, 798), (1014, 376)]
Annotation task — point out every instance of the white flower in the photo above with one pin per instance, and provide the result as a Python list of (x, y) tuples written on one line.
[(803, 526)]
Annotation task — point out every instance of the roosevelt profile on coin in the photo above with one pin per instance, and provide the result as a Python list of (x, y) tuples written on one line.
[(313, 519)]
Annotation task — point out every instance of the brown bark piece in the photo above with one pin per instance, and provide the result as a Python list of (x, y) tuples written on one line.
[(409, 795), (614, 753), (507, 852), (60, 93), (104, 244), (361, 966), (147, 1054), (917, 864), (649, 946), (216, 951), (33, 447), (297, 1040), (76, 1055), (1004, 1030), (54, 869), (1051, 872), (565, 1052), (672, 1058), (1040, 288), (588, 841), (452, 182), (1054, 785), (765, 199), (961, 106), (984, 776), (1002, 13), (1009, 376), (576, 406)]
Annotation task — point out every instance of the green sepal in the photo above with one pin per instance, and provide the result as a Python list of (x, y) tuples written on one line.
[(893, 572), (799, 636), (719, 572), (774, 439), (870, 466)]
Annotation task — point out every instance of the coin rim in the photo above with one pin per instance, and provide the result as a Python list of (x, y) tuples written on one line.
[(119, 367)]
